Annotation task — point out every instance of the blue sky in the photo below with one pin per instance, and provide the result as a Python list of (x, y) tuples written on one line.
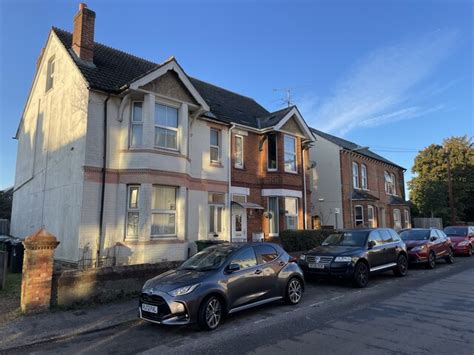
[(392, 75)]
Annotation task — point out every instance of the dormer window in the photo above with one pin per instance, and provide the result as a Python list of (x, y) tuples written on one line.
[(50, 74), (166, 127), (290, 154)]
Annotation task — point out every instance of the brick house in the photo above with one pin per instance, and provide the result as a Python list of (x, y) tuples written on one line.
[(129, 160), (353, 187)]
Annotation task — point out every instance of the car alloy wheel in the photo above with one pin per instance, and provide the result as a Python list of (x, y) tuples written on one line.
[(361, 275), (402, 265), (469, 251), (431, 260), (210, 313), (450, 257), (294, 291)]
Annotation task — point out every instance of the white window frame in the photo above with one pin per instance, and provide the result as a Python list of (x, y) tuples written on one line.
[(276, 153), (274, 233), (291, 215), (407, 218), (355, 215), (50, 69), (164, 211), (286, 136), (371, 221), (396, 212), (388, 182), (355, 175), (218, 146), (132, 210), (241, 164), (394, 186), (169, 128), (217, 207), (363, 175), (135, 123)]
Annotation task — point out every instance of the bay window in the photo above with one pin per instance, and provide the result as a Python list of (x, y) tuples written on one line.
[(397, 219), (216, 208), (371, 217), (407, 219), (239, 152), (273, 216), (215, 145), (290, 154), (272, 152), (163, 211), (132, 211), (359, 215), (291, 212), (166, 127), (136, 134)]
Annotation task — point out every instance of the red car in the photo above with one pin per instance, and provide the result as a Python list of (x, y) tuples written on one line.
[(462, 239), (427, 246)]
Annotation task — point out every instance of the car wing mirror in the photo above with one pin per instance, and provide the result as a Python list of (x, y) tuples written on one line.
[(432, 239), (233, 268), (371, 244)]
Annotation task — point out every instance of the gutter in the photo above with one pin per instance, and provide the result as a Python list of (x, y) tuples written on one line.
[(230, 181), (305, 206), (102, 195)]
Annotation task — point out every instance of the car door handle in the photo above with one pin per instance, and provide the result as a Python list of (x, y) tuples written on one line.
[(281, 263), (258, 272)]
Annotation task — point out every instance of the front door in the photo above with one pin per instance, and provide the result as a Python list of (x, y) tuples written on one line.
[(239, 224)]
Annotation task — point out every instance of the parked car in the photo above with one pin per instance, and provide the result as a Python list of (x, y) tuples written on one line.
[(354, 254), (462, 239), (426, 246), (220, 280)]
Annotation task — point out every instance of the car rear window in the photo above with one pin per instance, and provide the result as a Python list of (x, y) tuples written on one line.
[(267, 253), (462, 231)]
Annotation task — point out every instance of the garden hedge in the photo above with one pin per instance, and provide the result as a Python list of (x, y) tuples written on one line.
[(302, 240)]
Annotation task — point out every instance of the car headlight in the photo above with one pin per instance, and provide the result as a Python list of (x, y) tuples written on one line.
[(417, 249), (343, 259), (303, 257), (183, 290), (145, 286), (463, 243)]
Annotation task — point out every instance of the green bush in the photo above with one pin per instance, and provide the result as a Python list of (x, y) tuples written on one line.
[(303, 240)]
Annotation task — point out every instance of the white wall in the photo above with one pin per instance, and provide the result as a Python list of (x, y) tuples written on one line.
[(326, 182), (48, 181)]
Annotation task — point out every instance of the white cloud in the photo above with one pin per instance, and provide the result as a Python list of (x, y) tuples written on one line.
[(382, 87)]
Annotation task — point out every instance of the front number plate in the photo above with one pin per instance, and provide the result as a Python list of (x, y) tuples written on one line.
[(316, 266), (149, 308)]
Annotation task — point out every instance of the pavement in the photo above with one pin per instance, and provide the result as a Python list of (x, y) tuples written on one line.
[(429, 311)]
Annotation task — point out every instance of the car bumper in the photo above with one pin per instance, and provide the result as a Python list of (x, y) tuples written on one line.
[(171, 310), (336, 270), (461, 250), (417, 258)]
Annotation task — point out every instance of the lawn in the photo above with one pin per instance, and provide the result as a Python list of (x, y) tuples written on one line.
[(10, 298)]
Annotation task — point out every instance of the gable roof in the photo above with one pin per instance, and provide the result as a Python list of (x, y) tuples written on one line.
[(348, 145)]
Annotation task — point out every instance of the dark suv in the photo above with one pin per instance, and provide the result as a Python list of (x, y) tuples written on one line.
[(354, 254)]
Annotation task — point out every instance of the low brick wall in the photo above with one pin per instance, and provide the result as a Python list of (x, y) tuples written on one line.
[(73, 287)]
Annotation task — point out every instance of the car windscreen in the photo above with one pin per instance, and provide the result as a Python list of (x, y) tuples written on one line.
[(210, 258), (415, 234), (347, 239), (462, 231)]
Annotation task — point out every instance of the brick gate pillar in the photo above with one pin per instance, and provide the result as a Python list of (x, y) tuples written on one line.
[(37, 277)]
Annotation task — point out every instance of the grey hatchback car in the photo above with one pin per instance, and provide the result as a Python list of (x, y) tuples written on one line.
[(220, 280)]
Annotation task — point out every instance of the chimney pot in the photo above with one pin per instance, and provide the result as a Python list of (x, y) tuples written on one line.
[(83, 34)]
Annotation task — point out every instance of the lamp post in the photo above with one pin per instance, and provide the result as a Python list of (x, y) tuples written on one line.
[(356, 149)]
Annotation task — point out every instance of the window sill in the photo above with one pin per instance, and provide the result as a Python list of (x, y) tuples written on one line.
[(291, 172), (216, 164), (173, 153), (154, 240)]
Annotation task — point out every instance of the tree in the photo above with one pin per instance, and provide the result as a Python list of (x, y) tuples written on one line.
[(6, 198), (429, 187)]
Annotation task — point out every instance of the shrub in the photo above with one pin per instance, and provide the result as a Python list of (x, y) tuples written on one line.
[(303, 240)]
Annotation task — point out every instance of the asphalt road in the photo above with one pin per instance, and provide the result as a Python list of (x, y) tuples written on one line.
[(429, 311)]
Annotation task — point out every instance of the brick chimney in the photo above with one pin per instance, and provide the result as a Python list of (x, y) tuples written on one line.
[(83, 35)]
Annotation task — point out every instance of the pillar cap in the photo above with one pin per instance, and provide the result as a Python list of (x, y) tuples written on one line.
[(41, 239)]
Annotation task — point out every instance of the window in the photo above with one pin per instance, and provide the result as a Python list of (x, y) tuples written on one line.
[(272, 152), (267, 253), (163, 211), (375, 237), (245, 259), (355, 175), (407, 219), (132, 211), (50, 74), (359, 215), (363, 173), (273, 216), (239, 198), (291, 213), (371, 217), (394, 186), (216, 206), (239, 152), (215, 145), (397, 219), (136, 135), (389, 183), (290, 154), (166, 127), (386, 236)]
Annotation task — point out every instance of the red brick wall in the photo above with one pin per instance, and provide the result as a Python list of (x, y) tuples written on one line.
[(376, 187)]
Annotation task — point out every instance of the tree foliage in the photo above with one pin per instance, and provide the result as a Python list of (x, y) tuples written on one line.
[(6, 198), (429, 187)]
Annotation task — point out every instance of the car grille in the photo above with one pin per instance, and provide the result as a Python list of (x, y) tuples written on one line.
[(163, 309), (326, 260)]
